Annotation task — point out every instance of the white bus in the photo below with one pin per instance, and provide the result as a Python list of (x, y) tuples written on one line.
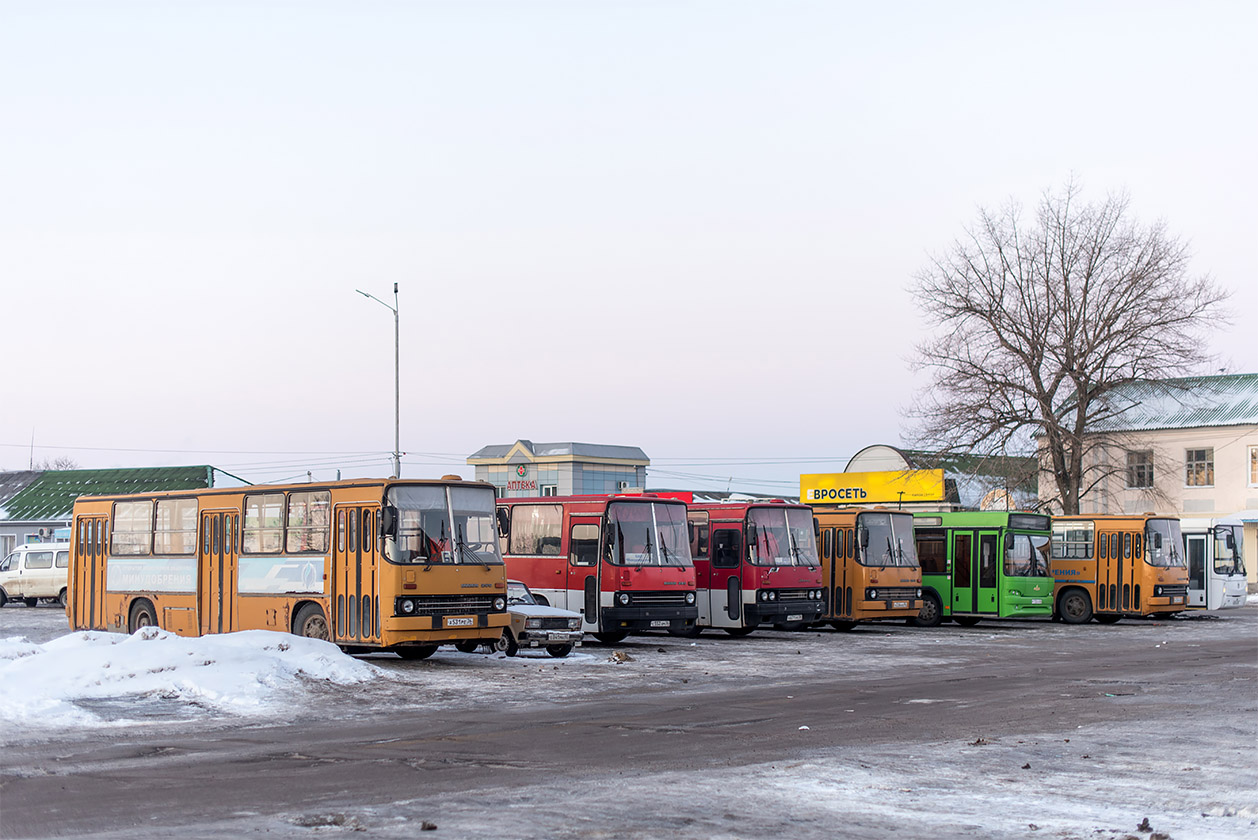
[(1216, 563)]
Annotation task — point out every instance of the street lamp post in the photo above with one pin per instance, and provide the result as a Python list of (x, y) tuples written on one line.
[(397, 381)]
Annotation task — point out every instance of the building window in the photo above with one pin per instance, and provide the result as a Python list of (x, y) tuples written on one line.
[(1199, 468), (1253, 466), (550, 490), (1140, 469)]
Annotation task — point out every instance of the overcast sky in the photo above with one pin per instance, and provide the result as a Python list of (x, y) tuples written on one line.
[(684, 226)]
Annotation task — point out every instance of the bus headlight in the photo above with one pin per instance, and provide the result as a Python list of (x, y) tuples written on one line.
[(764, 595), (919, 592), (690, 597), (1157, 592), (871, 594), (406, 606), (773, 596), (816, 594), (500, 603), (623, 599), (533, 623)]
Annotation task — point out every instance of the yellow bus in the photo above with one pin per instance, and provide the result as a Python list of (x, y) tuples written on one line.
[(868, 565), (369, 564), (1106, 567)]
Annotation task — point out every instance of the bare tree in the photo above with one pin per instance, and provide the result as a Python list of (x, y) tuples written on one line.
[(59, 463), (1037, 324)]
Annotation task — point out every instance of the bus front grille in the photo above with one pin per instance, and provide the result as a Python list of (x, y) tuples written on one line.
[(658, 599), (439, 605)]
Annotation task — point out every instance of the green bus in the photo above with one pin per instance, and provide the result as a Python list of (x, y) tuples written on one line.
[(983, 564)]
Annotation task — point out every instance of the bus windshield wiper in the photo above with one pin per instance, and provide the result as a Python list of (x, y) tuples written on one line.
[(465, 548)]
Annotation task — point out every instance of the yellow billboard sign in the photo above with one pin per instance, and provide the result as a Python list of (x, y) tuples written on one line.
[(872, 488)]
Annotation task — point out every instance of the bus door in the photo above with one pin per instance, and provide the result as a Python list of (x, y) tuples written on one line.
[(987, 593), (216, 583), (1195, 544), (830, 538), (582, 565), (963, 556), (845, 570), (89, 583), (725, 580), (354, 581), (1108, 572)]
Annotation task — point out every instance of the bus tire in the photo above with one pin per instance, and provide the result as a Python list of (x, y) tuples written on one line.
[(615, 637), (311, 623), (1075, 607), (415, 652), (739, 632), (931, 613), (559, 651), (61, 597), (966, 620), (1109, 618), (841, 624), (142, 615)]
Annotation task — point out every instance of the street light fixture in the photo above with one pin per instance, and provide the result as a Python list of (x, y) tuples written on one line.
[(397, 382)]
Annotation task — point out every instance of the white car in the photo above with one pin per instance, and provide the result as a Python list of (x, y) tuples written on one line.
[(34, 572), (534, 625)]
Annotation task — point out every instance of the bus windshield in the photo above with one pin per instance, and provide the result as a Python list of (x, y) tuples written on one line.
[(648, 534), (1165, 544), (444, 525), (1026, 555), (885, 539), (1228, 550), (781, 537)]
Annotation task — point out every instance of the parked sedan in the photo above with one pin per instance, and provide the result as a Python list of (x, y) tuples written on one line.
[(534, 625)]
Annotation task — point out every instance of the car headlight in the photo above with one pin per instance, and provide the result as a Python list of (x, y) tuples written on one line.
[(623, 599), (407, 606), (574, 624), (871, 594), (533, 623), (500, 603), (690, 597)]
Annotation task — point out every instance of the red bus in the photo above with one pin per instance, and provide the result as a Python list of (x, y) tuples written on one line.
[(622, 561), (755, 563)]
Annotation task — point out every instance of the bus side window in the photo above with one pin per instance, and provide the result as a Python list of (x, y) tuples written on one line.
[(1102, 547), (1126, 546), (1135, 546), (826, 537), (726, 547)]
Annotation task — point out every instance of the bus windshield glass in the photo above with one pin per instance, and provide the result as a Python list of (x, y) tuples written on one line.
[(1165, 545), (1026, 555), (648, 534), (1228, 550), (444, 525), (885, 539), (781, 537)]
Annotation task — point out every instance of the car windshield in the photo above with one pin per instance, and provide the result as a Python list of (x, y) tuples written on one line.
[(780, 536), (1165, 544), (444, 525), (648, 534), (1228, 550), (518, 594), (885, 539), (1026, 555)]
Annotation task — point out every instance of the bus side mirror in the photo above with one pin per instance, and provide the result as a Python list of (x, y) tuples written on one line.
[(816, 529), (388, 521), (504, 522)]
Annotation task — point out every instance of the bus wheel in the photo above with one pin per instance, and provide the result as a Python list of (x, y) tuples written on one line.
[(467, 646), (966, 620), (1108, 619), (612, 638), (839, 624), (739, 632), (61, 597), (416, 651), (142, 615), (559, 651), (931, 613), (311, 623), (1075, 607)]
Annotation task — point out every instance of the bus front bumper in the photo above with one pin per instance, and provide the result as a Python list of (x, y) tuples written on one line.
[(649, 617)]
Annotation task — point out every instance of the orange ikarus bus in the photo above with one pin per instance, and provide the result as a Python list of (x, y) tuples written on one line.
[(369, 564), (1107, 567), (868, 564)]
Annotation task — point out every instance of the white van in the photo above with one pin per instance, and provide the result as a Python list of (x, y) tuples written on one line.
[(35, 571)]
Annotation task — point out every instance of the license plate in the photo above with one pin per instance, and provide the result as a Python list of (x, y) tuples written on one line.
[(1176, 600), (899, 605), (460, 622), (799, 617), (556, 637), (661, 623), (1037, 600)]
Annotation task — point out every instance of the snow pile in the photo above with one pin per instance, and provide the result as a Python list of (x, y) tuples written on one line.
[(254, 672)]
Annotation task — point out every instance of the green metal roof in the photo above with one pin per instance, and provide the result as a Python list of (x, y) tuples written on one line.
[(1190, 403), (51, 495)]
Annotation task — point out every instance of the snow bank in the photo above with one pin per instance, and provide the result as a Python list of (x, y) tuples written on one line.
[(255, 672)]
